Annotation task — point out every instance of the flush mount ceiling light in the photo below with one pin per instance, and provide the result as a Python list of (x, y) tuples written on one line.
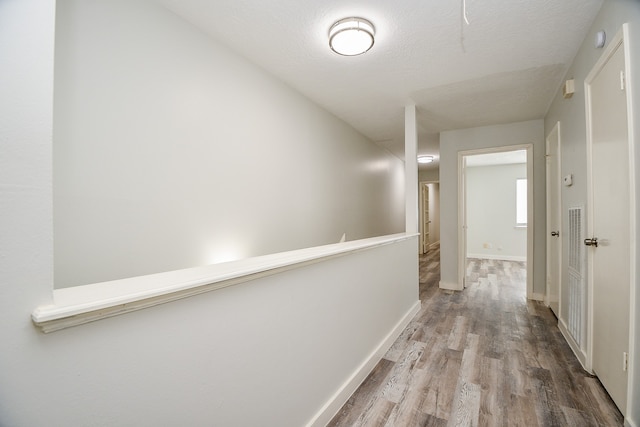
[(351, 36), (425, 159)]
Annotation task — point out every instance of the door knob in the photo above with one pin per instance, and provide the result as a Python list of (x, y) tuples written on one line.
[(591, 242), (555, 233)]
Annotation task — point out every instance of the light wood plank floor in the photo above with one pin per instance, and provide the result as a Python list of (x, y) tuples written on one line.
[(482, 357)]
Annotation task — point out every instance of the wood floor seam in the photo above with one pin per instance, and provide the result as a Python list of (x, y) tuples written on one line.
[(485, 356)]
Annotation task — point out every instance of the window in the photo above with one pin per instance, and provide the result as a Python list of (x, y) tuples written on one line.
[(521, 202)]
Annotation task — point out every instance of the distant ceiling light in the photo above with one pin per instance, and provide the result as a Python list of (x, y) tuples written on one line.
[(351, 36), (425, 159)]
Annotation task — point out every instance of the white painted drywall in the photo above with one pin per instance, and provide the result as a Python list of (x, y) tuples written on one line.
[(529, 132), (426, 175), (571, 113), (411, 209), (281, 346), (171, 151), (491, 213)]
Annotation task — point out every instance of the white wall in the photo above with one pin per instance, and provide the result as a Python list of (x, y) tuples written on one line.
[(170, 151), (529, 132), (426, 175), (491, 213), (268, 345), (571, 114)]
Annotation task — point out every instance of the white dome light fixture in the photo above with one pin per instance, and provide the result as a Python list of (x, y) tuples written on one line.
[(351, 36), (425, 159)]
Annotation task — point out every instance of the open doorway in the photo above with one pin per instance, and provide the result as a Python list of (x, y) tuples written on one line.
[(495, 215), (429, 215)]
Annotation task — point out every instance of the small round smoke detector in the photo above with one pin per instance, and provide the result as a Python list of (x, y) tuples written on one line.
[(601, 38)]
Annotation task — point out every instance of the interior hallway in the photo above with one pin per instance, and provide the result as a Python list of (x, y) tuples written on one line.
[(482, 357)]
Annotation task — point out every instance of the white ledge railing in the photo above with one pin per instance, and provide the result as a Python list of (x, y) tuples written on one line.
[(82, 304)]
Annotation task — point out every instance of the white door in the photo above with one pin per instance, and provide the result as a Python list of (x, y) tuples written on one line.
[(554, 249), (609, 224), (426, 220)]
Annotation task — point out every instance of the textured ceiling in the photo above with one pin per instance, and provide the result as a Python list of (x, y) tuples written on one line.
[(504, 66)]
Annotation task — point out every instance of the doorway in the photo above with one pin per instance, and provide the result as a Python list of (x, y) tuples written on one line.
[(611, 215), (495, 199), (429, 215), (554, 206)]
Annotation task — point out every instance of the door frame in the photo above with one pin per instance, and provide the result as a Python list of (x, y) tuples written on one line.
[(462, 210), (558, 184), (621, 38)]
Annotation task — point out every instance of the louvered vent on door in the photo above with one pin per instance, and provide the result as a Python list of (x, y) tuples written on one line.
[(577, 286)]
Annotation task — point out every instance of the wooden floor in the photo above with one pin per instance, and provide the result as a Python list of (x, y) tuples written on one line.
[(481, 357)]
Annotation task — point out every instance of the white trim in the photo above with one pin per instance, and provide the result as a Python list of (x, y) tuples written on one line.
[(462, 221), (82, 304), (589, 269), (537, 297), (498, 257), (556, 129), (450, 286), (411, 169), (633, 319), (337, 401), (580, 355), (462, 244)]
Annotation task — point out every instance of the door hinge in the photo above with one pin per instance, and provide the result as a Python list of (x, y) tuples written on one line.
[(622, 80), (625, 360)]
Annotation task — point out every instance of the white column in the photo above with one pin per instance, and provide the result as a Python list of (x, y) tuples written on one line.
[(411, 169)]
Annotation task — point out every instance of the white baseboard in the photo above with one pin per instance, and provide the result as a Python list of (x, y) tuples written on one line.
[(449, 286), (548, 301), (337, 401), (580, 355), (537, 297), (498, 257)]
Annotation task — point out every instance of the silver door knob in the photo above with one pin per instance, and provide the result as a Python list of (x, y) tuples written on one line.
[(555, 233), (591, 242)]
